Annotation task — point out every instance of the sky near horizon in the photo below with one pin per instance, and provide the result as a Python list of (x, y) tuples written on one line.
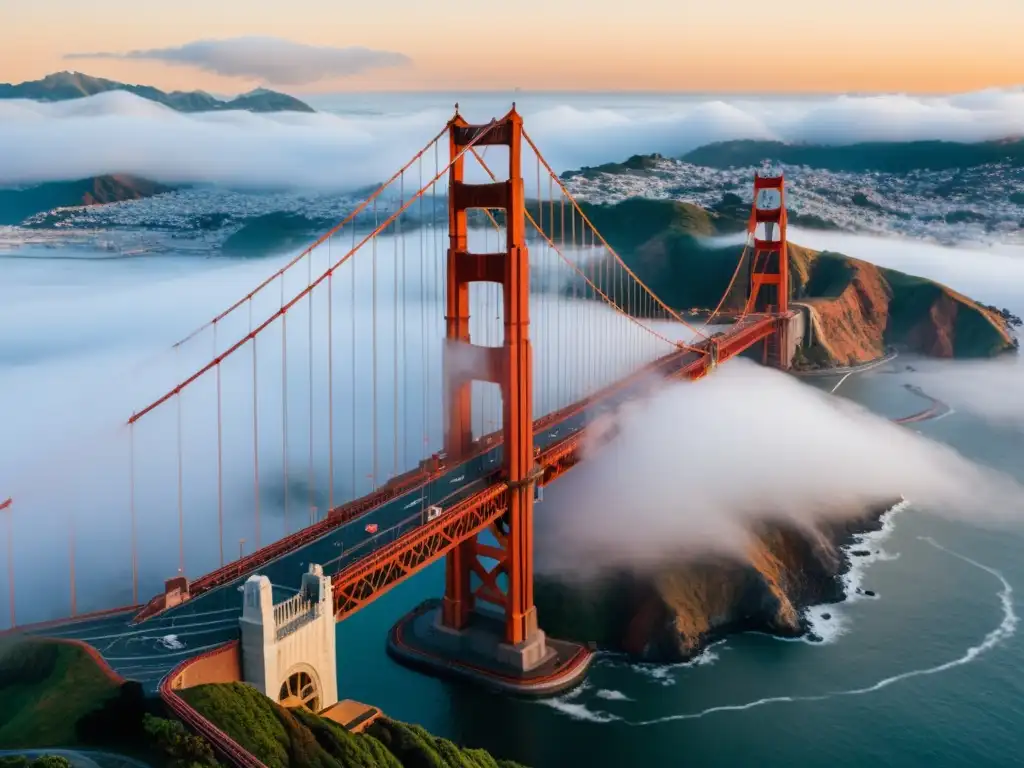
[(938, 46)]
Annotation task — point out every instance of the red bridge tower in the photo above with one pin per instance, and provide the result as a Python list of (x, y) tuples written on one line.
[(510, 366), (486, 627), (769, 270)]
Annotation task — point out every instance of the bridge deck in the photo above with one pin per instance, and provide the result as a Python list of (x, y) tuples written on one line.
[(149, 650)]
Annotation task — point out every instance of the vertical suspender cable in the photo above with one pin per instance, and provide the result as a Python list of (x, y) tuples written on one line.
[(71, 560), (181, 500), (309, 300), (255, 442), (131, 510), (330, 383), (352, 302), (542, 349), (220, 461), (559, 397), (8, 507), (423, 321), (405, 343), (574, 281), (440, 284), (394, 383), (284, 404), (373, 333)]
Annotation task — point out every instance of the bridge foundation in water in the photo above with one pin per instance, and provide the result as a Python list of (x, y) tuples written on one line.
[(486, 627), (539, 666)]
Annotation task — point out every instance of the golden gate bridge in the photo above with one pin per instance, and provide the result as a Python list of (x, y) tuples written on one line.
[(389, 383)]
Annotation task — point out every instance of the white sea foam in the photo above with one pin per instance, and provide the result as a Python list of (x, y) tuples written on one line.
[(573, 706), (665, 674), (610, 695), (171, 642), (570, 705), (1003, 632), (823, 630)]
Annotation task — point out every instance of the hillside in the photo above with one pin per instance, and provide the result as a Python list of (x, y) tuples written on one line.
[(45, 688), (296, 738), (16, 205), (886, 157), (63, 86), (857, 309)]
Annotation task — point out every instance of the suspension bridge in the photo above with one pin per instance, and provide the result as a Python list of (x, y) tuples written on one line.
[(397, 393)]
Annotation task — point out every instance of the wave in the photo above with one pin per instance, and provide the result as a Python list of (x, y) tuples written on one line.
[(1005, 630)]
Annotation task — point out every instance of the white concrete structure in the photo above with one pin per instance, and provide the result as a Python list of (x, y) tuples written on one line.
[(288, 649)]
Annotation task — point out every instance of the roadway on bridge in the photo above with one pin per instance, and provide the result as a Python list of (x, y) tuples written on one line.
[(147, 651)]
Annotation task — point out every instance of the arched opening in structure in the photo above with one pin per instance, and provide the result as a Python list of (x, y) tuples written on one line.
[(300, 689)]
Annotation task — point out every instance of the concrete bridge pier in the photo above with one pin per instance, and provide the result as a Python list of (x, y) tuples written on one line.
[(789, 336), (288, 649)]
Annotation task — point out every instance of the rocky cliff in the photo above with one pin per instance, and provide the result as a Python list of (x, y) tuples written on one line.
[(857, 310), (669, 613)]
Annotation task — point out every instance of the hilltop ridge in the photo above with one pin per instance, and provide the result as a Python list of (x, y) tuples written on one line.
[(882, 156), (857, 309), (64, 86)]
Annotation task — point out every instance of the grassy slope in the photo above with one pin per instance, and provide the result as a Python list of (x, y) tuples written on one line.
[(44, 689), (284, 738)]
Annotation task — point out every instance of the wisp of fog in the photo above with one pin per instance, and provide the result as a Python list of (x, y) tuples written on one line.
[(696, 466)]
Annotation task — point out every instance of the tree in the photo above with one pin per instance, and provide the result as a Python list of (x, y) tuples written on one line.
[(51, 761), (184, 749)]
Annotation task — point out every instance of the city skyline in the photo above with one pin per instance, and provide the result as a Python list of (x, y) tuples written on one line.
[(924, 46)]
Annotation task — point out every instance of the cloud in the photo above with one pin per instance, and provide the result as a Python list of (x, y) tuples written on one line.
[(271, 59), (787, 452), (118, 132)]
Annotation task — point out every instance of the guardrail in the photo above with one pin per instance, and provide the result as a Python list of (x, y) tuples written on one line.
[(227, 747)]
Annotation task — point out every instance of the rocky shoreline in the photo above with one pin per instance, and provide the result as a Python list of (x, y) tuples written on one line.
[(672, 613)]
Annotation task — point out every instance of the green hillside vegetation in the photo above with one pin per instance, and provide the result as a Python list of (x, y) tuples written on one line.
[(43, 761), (889, 157), (45, 689), (292, 738), (55, 695), (63, 86), (663, 242)]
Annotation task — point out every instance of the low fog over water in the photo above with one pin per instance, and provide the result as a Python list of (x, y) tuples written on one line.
[(358, 140)]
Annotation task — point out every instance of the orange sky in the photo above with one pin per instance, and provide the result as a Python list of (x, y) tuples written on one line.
[(717, 45)]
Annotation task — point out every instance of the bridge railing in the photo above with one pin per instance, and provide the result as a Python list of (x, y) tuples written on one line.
[(227, 747)]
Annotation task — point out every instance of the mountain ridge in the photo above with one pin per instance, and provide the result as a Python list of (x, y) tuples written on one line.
[(66, 86), (882, 156)]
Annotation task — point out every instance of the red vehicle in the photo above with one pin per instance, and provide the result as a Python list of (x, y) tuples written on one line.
[(371, 527)]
